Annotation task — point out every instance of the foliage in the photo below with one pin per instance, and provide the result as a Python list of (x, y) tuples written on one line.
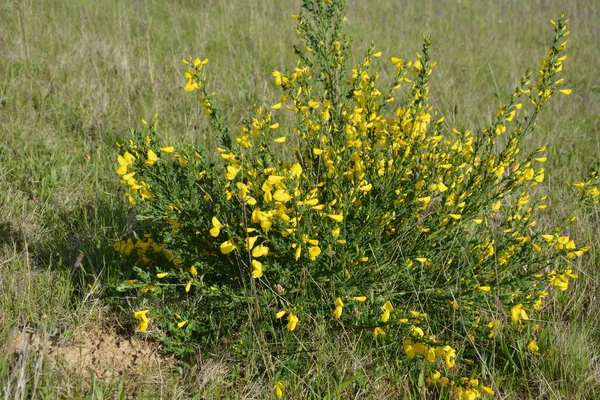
[(348, 204)]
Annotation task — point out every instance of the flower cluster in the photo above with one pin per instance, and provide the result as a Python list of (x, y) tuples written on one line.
[(364, 209)]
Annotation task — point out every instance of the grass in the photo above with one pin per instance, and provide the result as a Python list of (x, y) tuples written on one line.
[(75, 76)]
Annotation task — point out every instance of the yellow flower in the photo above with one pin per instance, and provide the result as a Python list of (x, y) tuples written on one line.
[(143, 326), (336, 217), (517, 313), (280, 314), (560, 281), (250, 242), (193, 271), (168, 149), (360, 299), (566, 92), (217, 226), (152, 158), (279, 139), (296, 170), (484, 288), (260, 251), (313, 252), (385, 316), (282, 196), (124, 161), (379, 332), (227, 247), (292, 321), (279, 389), (257, 271), (188, 286), (339, 306), (533, 347), (141, 315), (487, 390), (232, 172), (181, 324), (297, 252), (387, 308), (162, 275)]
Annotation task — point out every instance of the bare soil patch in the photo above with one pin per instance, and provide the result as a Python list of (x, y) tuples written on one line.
[(105, 353)]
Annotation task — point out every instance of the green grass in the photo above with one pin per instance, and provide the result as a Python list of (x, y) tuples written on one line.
[(75, 76)]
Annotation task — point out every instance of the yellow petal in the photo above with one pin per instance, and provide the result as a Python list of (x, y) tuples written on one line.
[(143, 326), (181, 324), (360, 299), (336, 217), (152, 158), (296, 170), (388, 306), (313, 252), (188, 286), (141, 315), (162, 275), (227, 247), (260, 251), (168, 149), (279, 140), (257, 271), (566, 92), (250, 242)]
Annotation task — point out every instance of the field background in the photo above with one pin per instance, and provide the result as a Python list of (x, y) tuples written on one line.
[(76, 76)]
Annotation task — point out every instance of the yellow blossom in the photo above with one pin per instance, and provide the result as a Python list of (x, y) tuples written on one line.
[(517, 313), (227, 247), (279, 389), (313, 252), (379, 332), (339, 306), (217, 226), (336, 217), (292, 321), (257, 269), (151, 158), (533, 347)]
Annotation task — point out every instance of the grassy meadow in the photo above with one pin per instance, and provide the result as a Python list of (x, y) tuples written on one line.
[(77, 76)]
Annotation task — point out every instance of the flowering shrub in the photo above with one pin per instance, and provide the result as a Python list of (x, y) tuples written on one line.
[(349, 201)]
